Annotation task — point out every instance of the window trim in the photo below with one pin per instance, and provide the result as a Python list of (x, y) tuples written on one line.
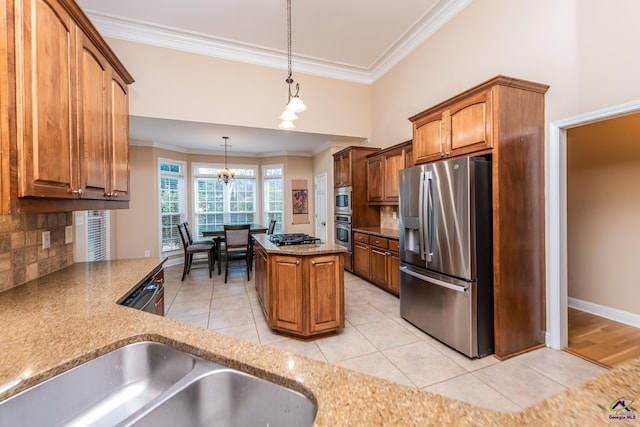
[(183, 199), (265, 179)]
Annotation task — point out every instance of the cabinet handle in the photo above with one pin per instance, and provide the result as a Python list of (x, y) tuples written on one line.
[(114, 194), (77, 192), (313, 263), (297, 262)]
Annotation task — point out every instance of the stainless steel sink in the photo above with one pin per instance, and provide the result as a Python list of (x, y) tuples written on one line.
[(101, 392), (231, 398), (150, 383)]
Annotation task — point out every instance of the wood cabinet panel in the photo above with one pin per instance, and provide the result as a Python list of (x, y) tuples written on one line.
[(375, 178), (360, 237), (361, 259), (119, 139), (471, 125), (326, 305), (393, 163), (93, 74), (286, 275), (427, 138), (47, 152), (378, 263)]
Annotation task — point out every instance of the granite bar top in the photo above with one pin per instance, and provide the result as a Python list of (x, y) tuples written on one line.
[(388, 233), (56, 322), (298, 250)]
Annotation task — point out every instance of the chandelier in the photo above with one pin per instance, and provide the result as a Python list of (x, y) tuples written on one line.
[(225, 175), (294, 103)]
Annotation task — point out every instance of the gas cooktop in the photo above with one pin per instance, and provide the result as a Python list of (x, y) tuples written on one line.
[(293, 239)]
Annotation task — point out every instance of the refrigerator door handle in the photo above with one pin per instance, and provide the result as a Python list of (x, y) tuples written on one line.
[(421, 216), (427, 240), (405, 269)]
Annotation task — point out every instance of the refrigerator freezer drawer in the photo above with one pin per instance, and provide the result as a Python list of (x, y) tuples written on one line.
[(447, 313)]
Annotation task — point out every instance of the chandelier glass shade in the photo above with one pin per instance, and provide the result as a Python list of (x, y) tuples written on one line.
[(294, 103), (225, 175)]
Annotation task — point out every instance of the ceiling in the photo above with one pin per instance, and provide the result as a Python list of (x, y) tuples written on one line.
[(355, 40)]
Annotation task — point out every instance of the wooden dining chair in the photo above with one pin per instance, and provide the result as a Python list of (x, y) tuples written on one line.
[(191, 249), (272, 226), (237, 247)]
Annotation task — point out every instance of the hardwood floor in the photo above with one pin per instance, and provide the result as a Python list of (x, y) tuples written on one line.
[(601, 340)]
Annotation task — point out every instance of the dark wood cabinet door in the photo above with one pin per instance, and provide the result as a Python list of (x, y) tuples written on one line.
[(393, 162), (470, 125), (375, 176), (119, 138), (428, 139), (361, 259), (378, 265), (326, 285), (287, 287), (93, 75), (45, 55)]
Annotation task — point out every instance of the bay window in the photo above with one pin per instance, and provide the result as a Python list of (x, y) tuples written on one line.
[(172, 203)]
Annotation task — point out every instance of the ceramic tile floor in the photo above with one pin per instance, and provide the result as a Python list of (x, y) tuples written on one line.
[(378, 342)]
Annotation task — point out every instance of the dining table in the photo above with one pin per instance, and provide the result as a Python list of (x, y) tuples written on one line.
[(217, 233)]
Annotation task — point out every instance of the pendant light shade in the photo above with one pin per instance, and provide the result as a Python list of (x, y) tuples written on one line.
[(294, 103)]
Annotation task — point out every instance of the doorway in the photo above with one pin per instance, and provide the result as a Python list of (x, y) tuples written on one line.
[(557, 259), (320, 186)]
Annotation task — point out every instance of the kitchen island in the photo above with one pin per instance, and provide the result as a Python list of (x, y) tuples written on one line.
[(300, 287), (61, 320)]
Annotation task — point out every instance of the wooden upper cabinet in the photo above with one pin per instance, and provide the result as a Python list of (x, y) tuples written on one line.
[(470, 125), (342, 170), (375, 178), (428, 138), (93, 75), (119, 139), (64, 116), (383, 169), (393, 162), (460, 128), (47, 151)]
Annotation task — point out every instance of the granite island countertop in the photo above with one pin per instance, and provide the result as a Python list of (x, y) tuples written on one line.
[(298, 250), (56, 322)]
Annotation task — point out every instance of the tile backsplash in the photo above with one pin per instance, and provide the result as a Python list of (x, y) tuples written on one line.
[(21, 255), (387, 219)]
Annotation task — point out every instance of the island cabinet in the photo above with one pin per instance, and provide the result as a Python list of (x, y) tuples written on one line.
[(301, 292), (377, 260), (64, 111), (383, 177), (503, 119)]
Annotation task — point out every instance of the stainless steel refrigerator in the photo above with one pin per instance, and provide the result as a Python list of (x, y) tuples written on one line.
[(446, 270)]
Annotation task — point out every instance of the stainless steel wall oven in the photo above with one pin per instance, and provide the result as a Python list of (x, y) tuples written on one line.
[(343, 231)]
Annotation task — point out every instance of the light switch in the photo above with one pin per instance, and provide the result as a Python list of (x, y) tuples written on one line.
[(68, 235)]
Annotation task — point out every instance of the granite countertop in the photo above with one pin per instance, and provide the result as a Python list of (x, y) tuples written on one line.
[(298, 250), (388, 233), (56, 322)]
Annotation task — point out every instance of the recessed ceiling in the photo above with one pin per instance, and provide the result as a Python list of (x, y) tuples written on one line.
[(354, 40)]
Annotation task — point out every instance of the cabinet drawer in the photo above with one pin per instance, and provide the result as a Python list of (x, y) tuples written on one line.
[(394, 245), (359, 237), (380, 242)]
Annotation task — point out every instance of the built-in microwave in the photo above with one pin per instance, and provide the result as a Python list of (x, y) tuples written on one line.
[(343, 200)]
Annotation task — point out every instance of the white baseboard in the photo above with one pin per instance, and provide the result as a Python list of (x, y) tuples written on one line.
[(614, 314)]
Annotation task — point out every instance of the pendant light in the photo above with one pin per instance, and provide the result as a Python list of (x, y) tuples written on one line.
[(294, 103), (225, 175)]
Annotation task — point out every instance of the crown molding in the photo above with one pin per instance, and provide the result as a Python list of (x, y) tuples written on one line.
[(437, 17), (169, 147), (143, 32)]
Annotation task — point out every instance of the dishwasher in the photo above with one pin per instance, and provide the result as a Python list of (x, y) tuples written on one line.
[(144, 297)]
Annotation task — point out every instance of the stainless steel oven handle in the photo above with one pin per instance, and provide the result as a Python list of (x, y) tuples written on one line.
[(405, 269)]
